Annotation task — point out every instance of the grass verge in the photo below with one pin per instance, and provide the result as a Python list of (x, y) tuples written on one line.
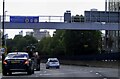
[(104, 64)]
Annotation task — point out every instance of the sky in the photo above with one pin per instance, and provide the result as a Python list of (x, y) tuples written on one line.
[(48, 8)]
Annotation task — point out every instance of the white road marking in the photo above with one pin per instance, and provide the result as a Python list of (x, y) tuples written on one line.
[(97, 73), (45, 74), (104, 78), (45, 71)]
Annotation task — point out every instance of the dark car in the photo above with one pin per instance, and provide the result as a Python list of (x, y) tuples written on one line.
[(17, 62)]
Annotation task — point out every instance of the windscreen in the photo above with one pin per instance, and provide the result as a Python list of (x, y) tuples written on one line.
[(17, 56), (53, 60)]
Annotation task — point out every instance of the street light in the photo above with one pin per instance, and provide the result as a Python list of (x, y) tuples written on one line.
[(3, 38), (3, 41)]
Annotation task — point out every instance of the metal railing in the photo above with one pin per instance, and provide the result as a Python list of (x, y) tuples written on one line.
[(42, 18)]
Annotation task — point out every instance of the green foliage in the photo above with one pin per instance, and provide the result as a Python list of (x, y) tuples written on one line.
[(52, 46), (44, 46), (10, 44), (58, 42), (71, 42), (63, 43), (82, 42), (20, 43), (30, 39), (78, 18)]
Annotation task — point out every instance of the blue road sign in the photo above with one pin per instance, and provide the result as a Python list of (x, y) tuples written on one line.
[(24, 19)]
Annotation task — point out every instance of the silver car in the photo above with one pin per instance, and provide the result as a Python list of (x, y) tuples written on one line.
[(52, 63)]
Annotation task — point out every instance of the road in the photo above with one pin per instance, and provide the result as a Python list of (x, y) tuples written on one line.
[(71, 71)]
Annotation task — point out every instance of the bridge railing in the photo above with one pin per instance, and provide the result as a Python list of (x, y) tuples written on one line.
[(42, 18)]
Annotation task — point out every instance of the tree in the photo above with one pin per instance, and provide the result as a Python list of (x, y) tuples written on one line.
[(58, 41), (71, 42), (82, 42), (78, 18), (20, 43), (10, 44), (17, 44), (44, 46), (30, 40), (52, 46)]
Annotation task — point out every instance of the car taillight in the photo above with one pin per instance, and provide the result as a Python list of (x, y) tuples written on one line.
[(26, 62), (4, 62)]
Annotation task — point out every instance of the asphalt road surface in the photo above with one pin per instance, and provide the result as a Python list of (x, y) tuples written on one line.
[(70, 71)]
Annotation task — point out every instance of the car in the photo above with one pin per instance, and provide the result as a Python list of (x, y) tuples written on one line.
[(17, 62), (52, 63)]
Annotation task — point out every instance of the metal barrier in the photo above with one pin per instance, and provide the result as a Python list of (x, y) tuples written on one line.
[(42, 18)]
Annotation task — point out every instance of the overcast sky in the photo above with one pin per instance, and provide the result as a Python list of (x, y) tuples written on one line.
[(48, 7)]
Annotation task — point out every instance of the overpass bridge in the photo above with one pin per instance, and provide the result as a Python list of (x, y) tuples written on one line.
[(63, 25), (94, 20)]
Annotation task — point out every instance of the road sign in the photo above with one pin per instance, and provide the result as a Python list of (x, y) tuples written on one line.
[(102, 16), (24, 19)]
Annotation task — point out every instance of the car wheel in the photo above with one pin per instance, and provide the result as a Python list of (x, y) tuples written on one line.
[(47, 67), (29, 72), (4, 73), (58, 67)]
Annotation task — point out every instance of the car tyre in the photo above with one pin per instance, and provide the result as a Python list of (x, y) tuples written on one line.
[(4, 73), (29, 72), (58, 67), (47, 67)]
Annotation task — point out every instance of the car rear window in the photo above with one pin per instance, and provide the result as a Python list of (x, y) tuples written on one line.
[(17, 56), (53, 60)]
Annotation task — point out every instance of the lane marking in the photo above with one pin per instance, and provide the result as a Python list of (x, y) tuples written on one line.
[(104, 78), (45, 71), (45, 74), (97, 73)]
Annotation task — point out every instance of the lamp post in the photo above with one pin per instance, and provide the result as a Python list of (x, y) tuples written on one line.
[(3, 43), (3, 37)]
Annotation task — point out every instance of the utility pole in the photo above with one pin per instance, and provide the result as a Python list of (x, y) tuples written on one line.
[(3, 37)]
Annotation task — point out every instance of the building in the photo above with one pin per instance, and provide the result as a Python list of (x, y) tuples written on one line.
[(29, 33), (113, 5), (39, 34)]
